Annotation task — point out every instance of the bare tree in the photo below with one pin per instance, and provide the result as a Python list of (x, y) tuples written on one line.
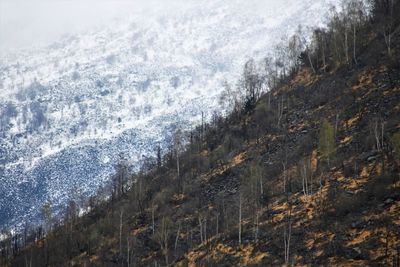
[(231, 96), (128, 252), (121, 214), (307, 47), (305, 171), (240, 219), (280, 110), (386, 10), (217, 224), (178, 147), (152, 217), (270, 73), (378, 129), (120, 179), (163, 235), (202, 227), (138, 192), (336, 124), (48, 219), (252, 84), (295, 49), (177, 238), (287, 234), (159, 157), (355, 11)]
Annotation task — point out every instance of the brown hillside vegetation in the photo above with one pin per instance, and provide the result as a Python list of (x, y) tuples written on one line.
[(309, 176)]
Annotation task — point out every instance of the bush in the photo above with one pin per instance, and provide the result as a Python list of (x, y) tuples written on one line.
[(326, 146)]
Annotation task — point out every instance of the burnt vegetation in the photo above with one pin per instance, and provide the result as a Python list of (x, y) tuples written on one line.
[(304, 174)]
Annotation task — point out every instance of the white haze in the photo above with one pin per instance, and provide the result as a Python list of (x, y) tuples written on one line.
[(40, 22), (27, 23)]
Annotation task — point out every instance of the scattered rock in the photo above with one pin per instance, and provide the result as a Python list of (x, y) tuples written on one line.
[(389, 201), (356, 224), (354, 253), (369, 156)]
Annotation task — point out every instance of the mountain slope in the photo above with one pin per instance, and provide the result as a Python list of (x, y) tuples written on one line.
[(71, 110), (264, 167)]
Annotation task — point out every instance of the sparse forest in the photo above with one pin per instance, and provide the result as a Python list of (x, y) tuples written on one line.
[(304, 171)]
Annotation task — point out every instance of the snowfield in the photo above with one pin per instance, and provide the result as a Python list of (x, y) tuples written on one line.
[(69, 110)]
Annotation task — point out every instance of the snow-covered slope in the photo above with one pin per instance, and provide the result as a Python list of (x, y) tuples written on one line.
[(69, 110)]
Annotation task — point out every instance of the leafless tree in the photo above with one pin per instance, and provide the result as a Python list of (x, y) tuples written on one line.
[(200, 217), (305, 171), (240, 219), (152, 217), (252, 83), (280, 110), (307, 47), (287, 234), (177, 238), (378, 132), (178, 144), (386, 10), (163, 235), (121, 214)]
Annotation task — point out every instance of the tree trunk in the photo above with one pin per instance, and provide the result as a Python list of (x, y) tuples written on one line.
[(376, 133), (120, 232), (201, 229), (217, 231), (382, 131), (284, 177), (177, 238), (152, 218), (128, 252), (323, 53), (269, 98), (177, 169), (240, 219), (346, 45), (205, 230), (310, 60), (256, 227), (354, 43), (287, 236), (280, 110), (388, 37)]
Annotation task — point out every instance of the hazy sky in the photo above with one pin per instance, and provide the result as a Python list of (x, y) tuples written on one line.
[(24, 23), (27, 22)]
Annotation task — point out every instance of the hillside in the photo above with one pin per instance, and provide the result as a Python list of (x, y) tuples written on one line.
[(308, 175), (70, 110)]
